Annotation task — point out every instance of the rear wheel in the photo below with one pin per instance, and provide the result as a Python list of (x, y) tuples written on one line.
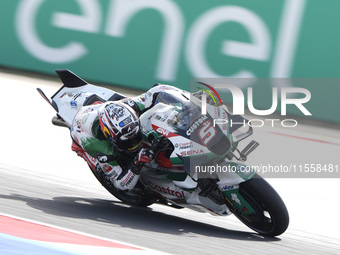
[(271, 216)]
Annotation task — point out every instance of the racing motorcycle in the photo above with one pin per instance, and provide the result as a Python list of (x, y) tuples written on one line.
[(202, 157)]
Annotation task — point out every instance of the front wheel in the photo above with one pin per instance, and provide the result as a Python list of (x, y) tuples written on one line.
[(271, 216)]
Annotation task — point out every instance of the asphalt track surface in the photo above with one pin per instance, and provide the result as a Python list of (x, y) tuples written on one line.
[(42, 180)]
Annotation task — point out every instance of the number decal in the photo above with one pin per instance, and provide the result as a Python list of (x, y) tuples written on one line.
[(207, 132)]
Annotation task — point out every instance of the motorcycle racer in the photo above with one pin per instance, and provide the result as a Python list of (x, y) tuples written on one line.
[(107, 135)]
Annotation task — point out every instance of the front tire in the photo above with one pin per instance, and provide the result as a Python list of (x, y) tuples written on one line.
[(271, 216)]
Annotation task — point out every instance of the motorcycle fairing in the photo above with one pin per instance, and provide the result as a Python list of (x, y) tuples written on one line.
[(158, 122), (71, 97)]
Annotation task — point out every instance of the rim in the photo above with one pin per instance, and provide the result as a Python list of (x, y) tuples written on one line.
[(262, 221)]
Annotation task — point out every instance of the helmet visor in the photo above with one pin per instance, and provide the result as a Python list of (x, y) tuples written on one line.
[(132, 145)]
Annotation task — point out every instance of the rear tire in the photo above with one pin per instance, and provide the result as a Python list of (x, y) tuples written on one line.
[(271, 217)]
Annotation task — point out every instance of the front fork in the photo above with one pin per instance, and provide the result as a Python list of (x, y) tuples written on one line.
[(228, 183)]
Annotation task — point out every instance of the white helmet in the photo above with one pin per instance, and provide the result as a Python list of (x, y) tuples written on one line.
[(121, 126)]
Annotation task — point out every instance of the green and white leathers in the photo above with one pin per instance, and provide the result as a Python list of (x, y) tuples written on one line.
[(87, 134), (100, 154)]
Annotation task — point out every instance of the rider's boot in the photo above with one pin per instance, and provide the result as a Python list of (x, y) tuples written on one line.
[(208, 195), (188, 183)]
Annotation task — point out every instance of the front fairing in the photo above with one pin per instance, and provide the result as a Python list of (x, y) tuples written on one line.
[(178, 117)]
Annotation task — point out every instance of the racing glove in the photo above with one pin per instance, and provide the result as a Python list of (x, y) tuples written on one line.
[(160, 143), (144, 156)]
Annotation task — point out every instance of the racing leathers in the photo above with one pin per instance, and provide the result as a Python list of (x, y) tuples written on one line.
[(122, 169), (90, 143)]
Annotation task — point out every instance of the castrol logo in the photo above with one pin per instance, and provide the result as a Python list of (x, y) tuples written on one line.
[(166, 190)]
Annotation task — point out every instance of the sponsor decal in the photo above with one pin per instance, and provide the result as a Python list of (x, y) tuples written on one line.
[(235, 198), (227, 187), (192, 152), (84, 119), (131, 130), (128, 179), (166, 190), (245, 210), (73, 104), (125, 121), (183, 146), (196, 124), (107, 168), (160, 118), (163, 131)]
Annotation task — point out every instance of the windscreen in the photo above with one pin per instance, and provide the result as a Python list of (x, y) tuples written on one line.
[(185, 111)]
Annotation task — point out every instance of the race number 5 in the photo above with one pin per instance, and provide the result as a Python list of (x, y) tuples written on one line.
[(207, 132)]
